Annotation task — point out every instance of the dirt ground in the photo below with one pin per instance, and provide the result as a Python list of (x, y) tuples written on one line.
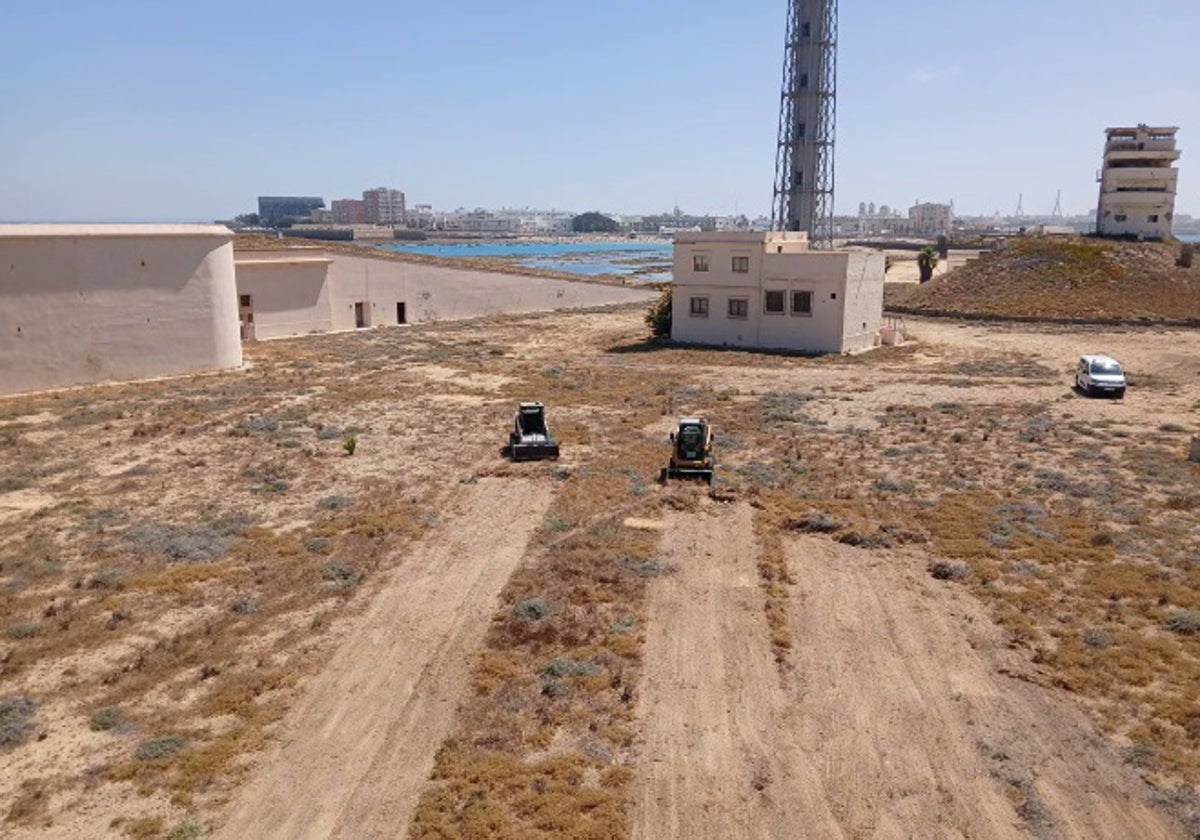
[(310, 599), (902, 714)]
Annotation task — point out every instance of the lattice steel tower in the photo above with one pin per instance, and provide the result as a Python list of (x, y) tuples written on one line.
[(807, 122)]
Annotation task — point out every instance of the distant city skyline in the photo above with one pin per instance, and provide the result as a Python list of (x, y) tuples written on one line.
[(134, 110)]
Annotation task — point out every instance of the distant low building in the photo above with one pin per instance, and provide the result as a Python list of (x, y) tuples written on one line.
[(1138, 182), (349, 211), (84, 304), (482, 221), (287, 208), (769, 290)]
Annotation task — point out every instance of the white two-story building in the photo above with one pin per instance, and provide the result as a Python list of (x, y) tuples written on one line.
[(768, 290)]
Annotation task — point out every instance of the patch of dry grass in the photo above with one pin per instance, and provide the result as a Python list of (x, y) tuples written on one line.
[(542, 748)]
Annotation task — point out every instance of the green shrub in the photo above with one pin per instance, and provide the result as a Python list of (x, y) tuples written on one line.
[(16, 712), (1183, 622), (533, 609), (335, 502), (343, 577), (658, 319), (163, 746), (103, 720), (187, 830), (23, 630), (950, 570)]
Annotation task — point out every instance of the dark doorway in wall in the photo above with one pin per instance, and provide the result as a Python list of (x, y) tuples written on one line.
[(401, 315), (360, 314), (246, 316)]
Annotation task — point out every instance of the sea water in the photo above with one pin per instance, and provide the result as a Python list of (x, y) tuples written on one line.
[(642, 261)]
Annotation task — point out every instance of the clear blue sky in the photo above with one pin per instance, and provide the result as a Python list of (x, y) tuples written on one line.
[(132, 109)]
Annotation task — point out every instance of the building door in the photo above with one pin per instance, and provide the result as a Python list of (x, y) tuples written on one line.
[(401, 317), (360, 314), (246, 316)]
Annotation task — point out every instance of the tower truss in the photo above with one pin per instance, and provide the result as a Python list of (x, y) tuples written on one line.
[(804, 171)]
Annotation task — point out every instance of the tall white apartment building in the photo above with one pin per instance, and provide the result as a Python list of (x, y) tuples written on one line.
[(1138, 182), (383, 206)]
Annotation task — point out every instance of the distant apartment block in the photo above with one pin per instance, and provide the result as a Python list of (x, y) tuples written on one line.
[(277, 208), (384, 206), (349, 211), (1138, 182), (929, 218)]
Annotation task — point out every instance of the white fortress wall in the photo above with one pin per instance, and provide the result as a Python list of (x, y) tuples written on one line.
[(435, 293), (288, 290), (83, 304)]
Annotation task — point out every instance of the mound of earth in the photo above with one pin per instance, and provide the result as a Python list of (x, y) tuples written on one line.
[(1077, 278)]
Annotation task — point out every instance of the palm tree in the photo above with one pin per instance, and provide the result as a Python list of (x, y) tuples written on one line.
[(927, 261)]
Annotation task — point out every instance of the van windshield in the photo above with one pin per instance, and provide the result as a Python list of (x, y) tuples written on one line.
[(1106, 366)]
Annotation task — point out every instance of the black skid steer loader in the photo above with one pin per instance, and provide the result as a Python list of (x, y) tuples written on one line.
[(691, 451), (530, 439)]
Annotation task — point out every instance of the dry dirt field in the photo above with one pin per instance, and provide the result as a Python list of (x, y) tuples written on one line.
[(932, 592)]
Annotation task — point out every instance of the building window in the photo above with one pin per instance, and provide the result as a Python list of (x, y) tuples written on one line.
[(700, 263), (698, 306), (806, 30), (801, 303), (1120, 217), (803, 81), (739, 308), (1154, 217), (741, 265), (773, 303)]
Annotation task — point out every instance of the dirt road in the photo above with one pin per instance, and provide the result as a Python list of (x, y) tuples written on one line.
[(895, 718), (358, 746), (718, 759)]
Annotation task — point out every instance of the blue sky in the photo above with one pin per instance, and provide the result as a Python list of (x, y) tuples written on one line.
[(183, 110)]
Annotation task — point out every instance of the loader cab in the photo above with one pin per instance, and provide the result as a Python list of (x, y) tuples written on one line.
[(531, 419), (691, 439), (691, 451)]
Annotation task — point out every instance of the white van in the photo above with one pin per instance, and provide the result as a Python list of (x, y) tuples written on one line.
[(1100, 375)]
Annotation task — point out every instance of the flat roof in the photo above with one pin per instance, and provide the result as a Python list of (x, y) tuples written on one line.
[(67, 230), (1153, 129), (742, 236)]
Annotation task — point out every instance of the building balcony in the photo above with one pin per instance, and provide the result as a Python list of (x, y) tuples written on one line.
[(1138, 200), (1154, 157)]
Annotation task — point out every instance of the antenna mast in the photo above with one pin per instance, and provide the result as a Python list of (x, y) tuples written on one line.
[(804, 171)]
